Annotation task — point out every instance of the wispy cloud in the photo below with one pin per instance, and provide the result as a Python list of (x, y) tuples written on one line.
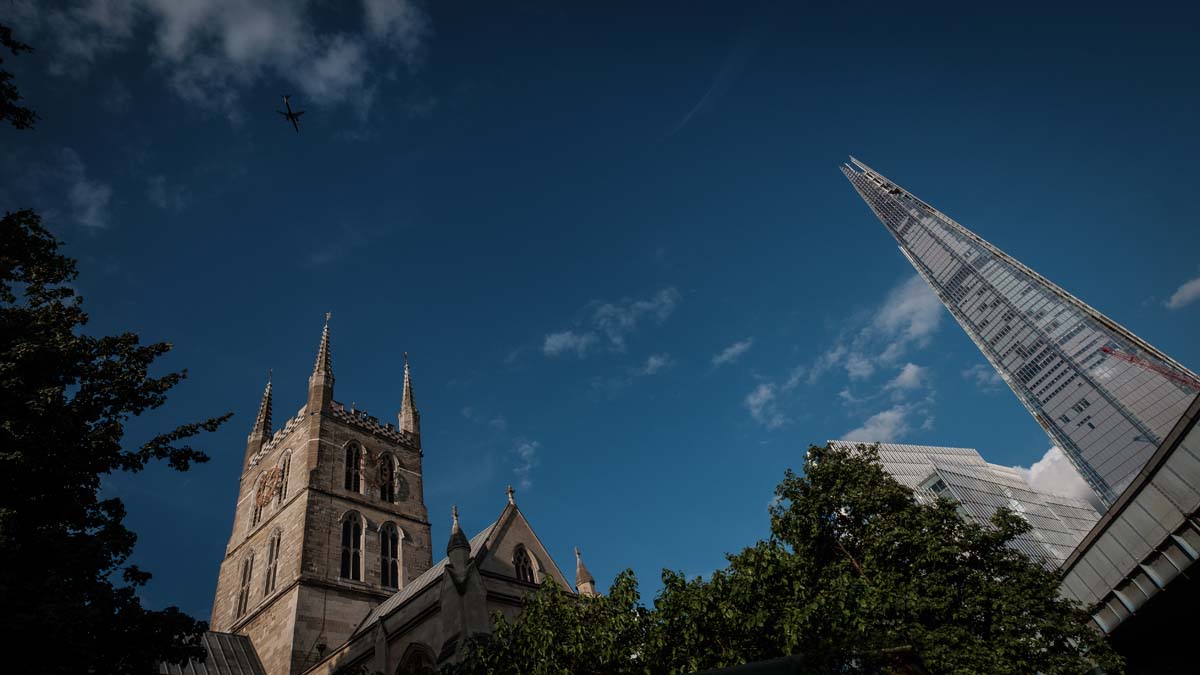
[(1055, 474), (885, 426), (527, 458), (568, 342), (732, 67), (610, 324), (907, 319), (1185, 295), (164, 196), (910, 377), (211, 51), (763, 404), (88, 197), (733, 352), (985, 377), (655, 363)]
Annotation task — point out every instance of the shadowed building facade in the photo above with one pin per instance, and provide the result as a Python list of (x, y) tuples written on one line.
[(1106, 397), (330, 559)]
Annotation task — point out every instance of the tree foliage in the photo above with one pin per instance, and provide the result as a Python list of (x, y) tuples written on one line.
[(68, 597), (854, 573), (16, 115)]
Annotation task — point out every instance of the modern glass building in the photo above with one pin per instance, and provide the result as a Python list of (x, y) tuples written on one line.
[(1106, 397), (1058, 523)]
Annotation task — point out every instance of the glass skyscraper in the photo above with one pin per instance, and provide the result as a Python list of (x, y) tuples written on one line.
[(1057, 523), (1106, 397)]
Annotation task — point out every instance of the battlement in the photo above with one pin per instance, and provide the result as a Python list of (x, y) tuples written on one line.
[(359, 419)]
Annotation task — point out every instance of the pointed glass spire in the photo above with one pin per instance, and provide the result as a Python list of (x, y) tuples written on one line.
[(1105, 397)]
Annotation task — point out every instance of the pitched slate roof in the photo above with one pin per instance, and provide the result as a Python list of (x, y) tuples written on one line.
[(428, 578), (227, 655)]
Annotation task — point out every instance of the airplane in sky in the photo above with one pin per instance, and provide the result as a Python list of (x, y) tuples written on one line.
[(293, 117)]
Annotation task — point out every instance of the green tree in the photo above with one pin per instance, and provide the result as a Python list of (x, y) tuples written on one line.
[(856, 577), (559, 634), (16, 115), (68, 597)]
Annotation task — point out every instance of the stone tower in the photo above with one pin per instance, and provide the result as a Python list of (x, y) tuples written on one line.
[(330, 522)]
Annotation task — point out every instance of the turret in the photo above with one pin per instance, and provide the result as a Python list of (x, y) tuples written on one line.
[(320, 383)]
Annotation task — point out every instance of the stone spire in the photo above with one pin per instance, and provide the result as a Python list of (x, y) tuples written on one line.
[(409, 418), (584, 583), (458, 549), (320, 383), (261, 432)]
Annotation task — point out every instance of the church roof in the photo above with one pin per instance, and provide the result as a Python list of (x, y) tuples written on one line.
[(227, 655), (428, 578)]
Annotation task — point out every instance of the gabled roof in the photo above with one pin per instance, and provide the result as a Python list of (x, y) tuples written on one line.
[(227, 655), (426, 579)]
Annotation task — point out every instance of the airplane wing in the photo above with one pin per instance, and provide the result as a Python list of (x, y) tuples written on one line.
[(298, 113), (282, 113)]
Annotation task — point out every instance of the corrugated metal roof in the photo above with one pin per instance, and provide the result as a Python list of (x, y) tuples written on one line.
[(420, 583), (227, 655)]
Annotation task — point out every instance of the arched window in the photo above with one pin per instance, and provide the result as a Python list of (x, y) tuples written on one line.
[(417, 661), (244, 592), (387, 478), (389, 556), (353, 467), (272, 562), (256, 511), (285, 468), (352, 547), (523, 564)]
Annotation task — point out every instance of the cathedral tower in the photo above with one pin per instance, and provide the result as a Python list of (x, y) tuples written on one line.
[(330, 522)]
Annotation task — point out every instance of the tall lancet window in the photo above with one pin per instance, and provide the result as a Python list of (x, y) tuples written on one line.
[(387, 478), (256, 513), (285, 467), (523, 564), (389, 556), (244, 592), (352, 547), (272, 563), (353, 467)]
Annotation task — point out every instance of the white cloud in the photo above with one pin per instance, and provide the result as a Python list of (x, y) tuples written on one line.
[(613, 321), (883, 427), (1185, 295), (527, 458), (733, 352), (88, 198), (172, 198), (907, 318), (211, 50), (557, 344), (985, 376), (617, 320), (910, 315), (655, 363), (911, 376), (763, 406), (1055, 474)]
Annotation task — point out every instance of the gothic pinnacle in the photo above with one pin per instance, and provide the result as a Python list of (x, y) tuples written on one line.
[(457, 538), (324, 365), (584, 583), (262, 423), (409, 418)]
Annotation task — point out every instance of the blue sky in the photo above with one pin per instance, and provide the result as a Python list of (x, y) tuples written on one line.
[(614, 241)]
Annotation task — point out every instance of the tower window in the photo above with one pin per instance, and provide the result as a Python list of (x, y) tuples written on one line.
[(272, 563), (352, 547), (523, 565), (389, 556), (387, 478), (256, 512), (353, 467), (244, 592), (285, 467)]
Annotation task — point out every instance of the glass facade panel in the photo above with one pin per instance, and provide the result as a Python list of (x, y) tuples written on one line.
[(1105, 396)]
